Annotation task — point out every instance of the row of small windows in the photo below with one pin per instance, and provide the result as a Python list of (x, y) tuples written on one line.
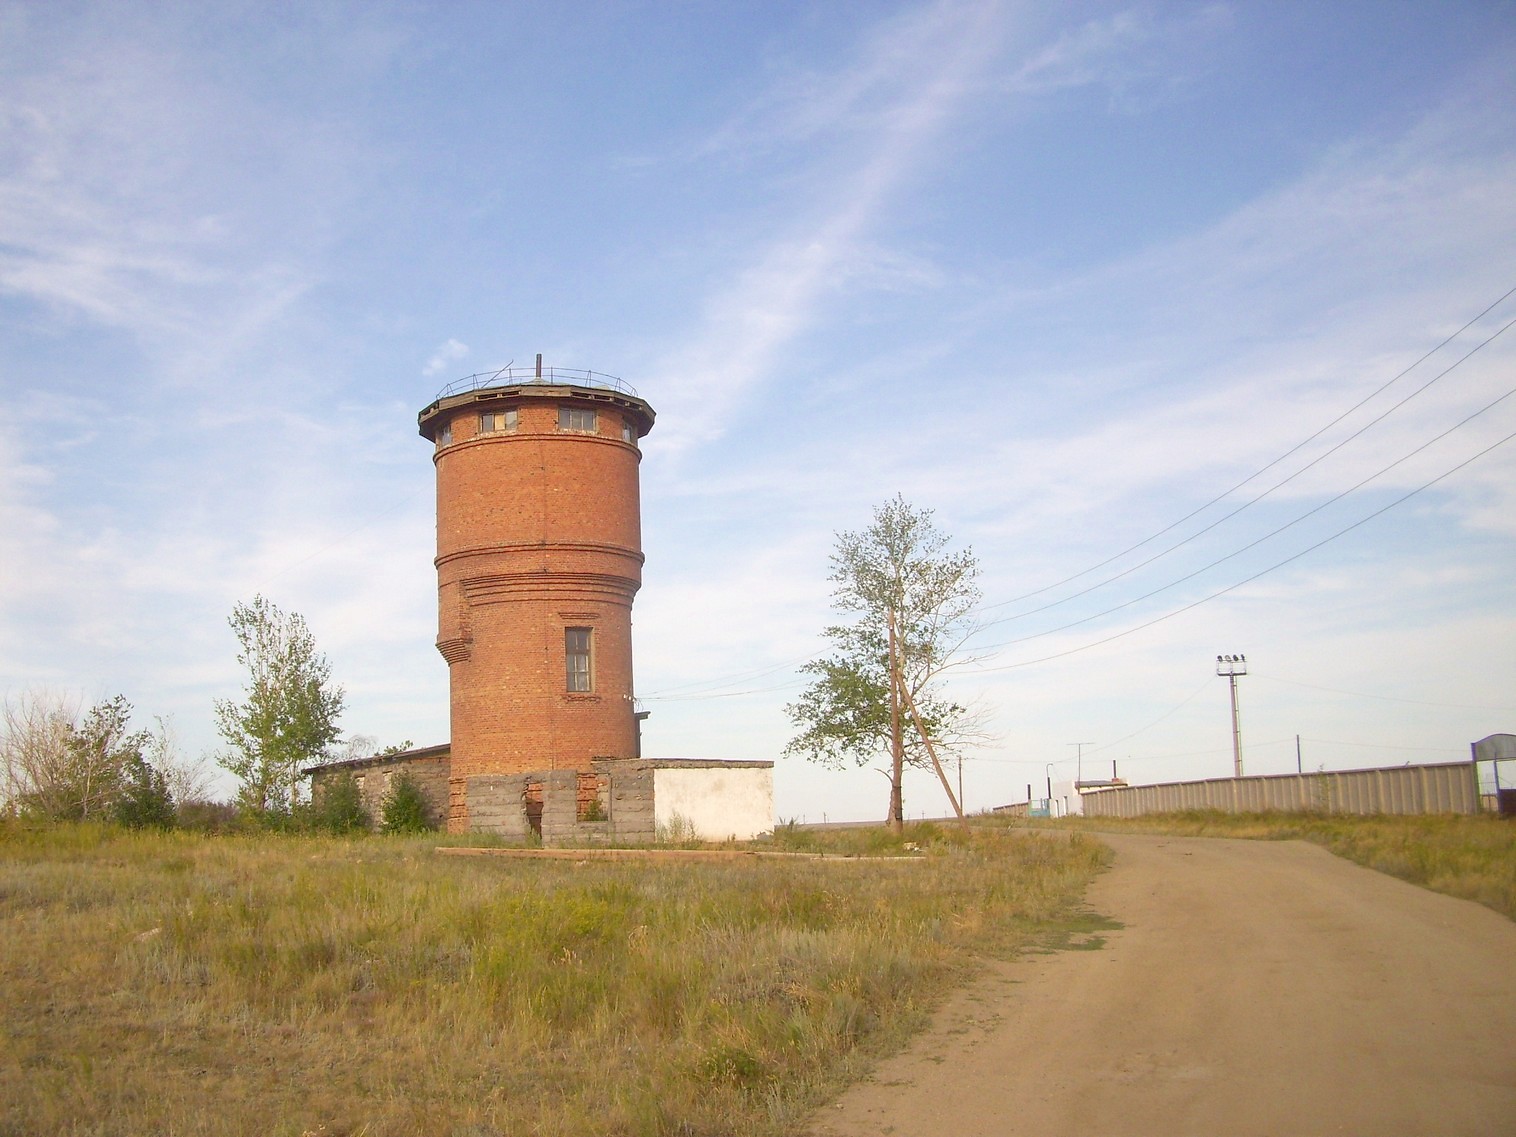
[(580, 420)]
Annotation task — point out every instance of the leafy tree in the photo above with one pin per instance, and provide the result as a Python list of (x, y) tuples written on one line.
[(144, 801), (289, 714), (405, 808), (910, 602), (339, 806), (60, 767)]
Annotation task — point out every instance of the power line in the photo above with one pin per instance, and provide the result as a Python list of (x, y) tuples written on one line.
[(723, 681), (1293, 450), (1188, 699), (715, 684), (1278, 485), (1267, 536), (716, 695), (1381, 698), (1256, 575)]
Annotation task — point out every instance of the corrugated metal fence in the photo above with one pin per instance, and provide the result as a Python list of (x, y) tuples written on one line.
[(1443, 788)]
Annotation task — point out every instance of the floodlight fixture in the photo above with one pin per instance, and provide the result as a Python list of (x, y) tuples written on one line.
[(1230, 667)]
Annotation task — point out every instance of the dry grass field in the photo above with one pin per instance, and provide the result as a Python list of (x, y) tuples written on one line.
[(179, 984), (1473, 858)]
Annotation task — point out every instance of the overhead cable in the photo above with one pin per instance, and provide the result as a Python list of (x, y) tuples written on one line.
[(1257, 575), (1258, 473), (1254, 501)]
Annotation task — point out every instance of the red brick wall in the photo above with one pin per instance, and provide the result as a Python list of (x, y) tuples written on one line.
[(537, 531)]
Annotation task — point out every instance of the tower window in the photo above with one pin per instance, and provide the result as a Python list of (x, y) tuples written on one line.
[(498, 422), (576, 655), (578, 418)]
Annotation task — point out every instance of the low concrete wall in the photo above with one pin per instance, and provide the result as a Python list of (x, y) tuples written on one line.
[(1441, 788), (631, 792), (548, 805), (627, 801), (715, 800)]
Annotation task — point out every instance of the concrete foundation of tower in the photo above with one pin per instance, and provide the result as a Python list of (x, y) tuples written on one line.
[(625, 801)]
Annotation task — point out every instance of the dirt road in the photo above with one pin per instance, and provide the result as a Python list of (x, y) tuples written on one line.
[(1256, 988)]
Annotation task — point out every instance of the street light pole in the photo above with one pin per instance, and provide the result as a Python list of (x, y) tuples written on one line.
[(1232, 666)]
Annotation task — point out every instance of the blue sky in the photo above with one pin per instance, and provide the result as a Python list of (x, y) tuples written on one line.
[(1063, 274)]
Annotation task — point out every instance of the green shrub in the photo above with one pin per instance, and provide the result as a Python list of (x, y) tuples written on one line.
[(144, 801), (592, 810), (339, 808), (405, 808)]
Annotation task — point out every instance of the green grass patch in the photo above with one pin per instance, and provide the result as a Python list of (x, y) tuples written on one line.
[(1473, 858), (177, 983)]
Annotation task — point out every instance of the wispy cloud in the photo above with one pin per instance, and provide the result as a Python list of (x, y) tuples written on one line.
[(444, 358), (868, 129), (127, 203), (882, 113), (1262, 326), (1140, 57), (886, 87)]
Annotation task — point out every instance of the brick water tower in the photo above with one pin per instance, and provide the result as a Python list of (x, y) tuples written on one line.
[(539, 554)]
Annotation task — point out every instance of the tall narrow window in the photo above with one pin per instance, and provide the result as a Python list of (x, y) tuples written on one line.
[(578, 418), (576, 655)]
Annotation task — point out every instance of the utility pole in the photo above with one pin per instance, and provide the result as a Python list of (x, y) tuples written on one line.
[(1079, 762), (897, 743), (1232, 666), (960, 777), (931, 752)]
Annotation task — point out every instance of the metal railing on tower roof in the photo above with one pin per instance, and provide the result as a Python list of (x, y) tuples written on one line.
[(547, 376)]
